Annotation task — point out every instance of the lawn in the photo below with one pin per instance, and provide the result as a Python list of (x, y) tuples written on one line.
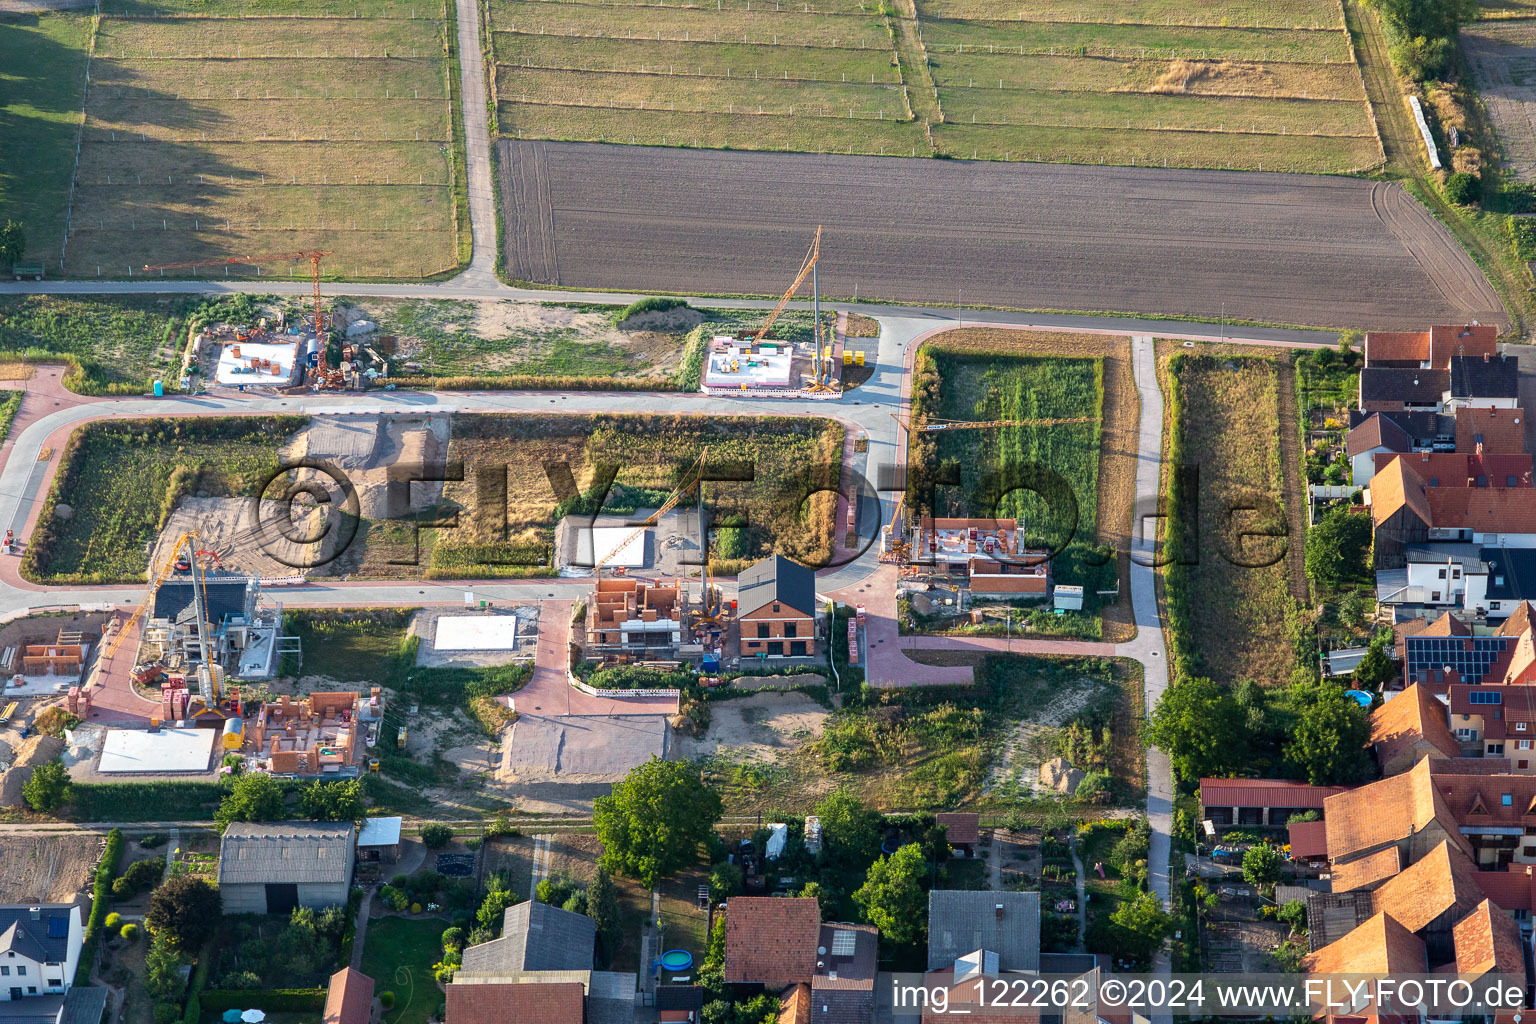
[(1238, 83), (44, 57), (350, 647), (212, 132), (121, 478), (1230, 609), (398, 955)]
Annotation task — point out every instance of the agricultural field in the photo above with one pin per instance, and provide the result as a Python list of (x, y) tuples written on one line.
[(1230, 604), (1500, 52), (210, 131), (119, 480), (1082, 392), (44, 57), (1229, 83)]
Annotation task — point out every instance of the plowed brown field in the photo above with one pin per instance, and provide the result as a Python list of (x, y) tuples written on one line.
[(1300, 249)]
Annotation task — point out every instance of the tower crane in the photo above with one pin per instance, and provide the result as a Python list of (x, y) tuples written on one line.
[(313, 255), (693, 475)]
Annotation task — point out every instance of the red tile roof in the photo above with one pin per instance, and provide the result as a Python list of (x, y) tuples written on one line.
[(1411, 718), (1460, 469), (1264, 793), (1384, 347), (1484, 510), (349, 998), (498, 1003), (1309, 839), (771, 940), (1502, 430), (1441, 881), (1379, 946), (1377, 431), (795, 1005), (1370, 816), (1488, 940), (1368, 870), (960, 827), (1446, 341)]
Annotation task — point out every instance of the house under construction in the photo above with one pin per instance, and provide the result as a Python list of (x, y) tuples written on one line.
[(322, 734), (241, 639), (986, 557), (634, 620)]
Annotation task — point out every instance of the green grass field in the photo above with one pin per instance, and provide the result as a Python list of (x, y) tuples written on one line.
[(42, 66), (315, 124), (398, 955), (1239, 83)]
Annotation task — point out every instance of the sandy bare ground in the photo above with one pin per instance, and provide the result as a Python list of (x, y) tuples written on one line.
[(759, 727), (51, 869), (1301, 249)]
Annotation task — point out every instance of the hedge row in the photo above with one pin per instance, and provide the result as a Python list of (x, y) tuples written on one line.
[(101, 889), (272, 1000)]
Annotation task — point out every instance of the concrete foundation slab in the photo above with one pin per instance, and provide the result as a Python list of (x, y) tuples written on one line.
[(169, 750), (475, 633)]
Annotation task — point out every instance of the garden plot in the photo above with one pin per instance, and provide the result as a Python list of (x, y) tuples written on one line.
[(214, 134)]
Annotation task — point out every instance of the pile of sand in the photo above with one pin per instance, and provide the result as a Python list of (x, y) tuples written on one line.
[(32, 752), (1058, 774)]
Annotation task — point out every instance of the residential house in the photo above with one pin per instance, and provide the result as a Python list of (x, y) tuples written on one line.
[(1406, 511), (1380, 946), (379, 840), (272, 868), (1393, 389), (1410, 726), (1463, 469), (1486, 382), (39, 949), (1487, 941), (1490, 430), (542, 966), (1377, 435), (1433, 348), (1003, 924), (985, 557), (771, 941), (1263, 802), (962, 830), (634, 620), (970, 998), (1479, 582), (171, 631), (776, 609), (1428, 431), (842, 991), (348, 998)]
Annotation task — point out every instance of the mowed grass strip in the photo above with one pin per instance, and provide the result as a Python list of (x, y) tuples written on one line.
[(1120, 74), (1156, 111), (1270, 13), (372, 9), (261, 119), (129, 161), (861, 136), (736, 60), (786, 28), (270, 37), (1138, 41), (284, 78), (717, 95), (42, 63), (1238, 151)]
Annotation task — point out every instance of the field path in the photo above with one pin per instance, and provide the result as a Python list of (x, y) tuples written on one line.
[(477, 147)]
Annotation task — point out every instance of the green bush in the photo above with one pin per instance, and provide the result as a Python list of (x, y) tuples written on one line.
[(649, 304), (100, 890), (1463, 189), (151, 840), (387, 999), (112, 921), (166, 1013), (130, 932), (435, 836), (1522, 237), (273, 1000)]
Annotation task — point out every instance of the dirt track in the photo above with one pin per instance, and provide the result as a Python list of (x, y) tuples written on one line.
[(1299, 249)]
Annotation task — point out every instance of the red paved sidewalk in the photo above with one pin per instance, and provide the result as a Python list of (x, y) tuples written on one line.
[(549, 692)]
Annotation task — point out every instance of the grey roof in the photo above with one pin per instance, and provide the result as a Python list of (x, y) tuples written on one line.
[(36, 938), (1468, 556), (288, 851), (1377, 432), (536, 937), (776, 578), (1474, 377), (962, 921), (611, 998), (82, 1004), (844, 1006), (225, 597), (1511, 573), (1392, 384), (679, 997)]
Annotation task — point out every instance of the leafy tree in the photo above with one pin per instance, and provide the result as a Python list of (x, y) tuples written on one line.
[(603, 909), (162, 968), (253, 797), (1139, 926), (892, 895), (1310, 814), (653, 822), (48, 787), (712, 968), (1262, 864), (1198, 725), (1463, 189), (436, 835), (498, 897), (850, 828), (1293, 913), (825, 897), (724, 881), (1375, 668), (1327, 744), (1337, 548), (13, 242), (341, 800), (1430, 18), (186, 909)]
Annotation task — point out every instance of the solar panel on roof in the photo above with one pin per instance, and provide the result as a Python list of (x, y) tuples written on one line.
[(843, 942), (58, 927)]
